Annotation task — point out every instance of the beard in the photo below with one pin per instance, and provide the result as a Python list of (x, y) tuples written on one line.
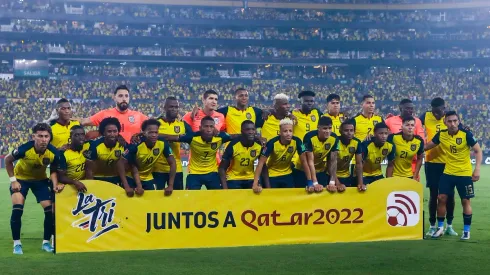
[(123, 106)]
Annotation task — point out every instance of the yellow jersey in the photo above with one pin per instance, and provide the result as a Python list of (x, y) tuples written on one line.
[(175, 128), (145, 158), (373, 156), (32, 165), (61, 133), (305, 122), (105, 158), (320, 149), (346, 155), (456, 149), (234, 118), (336, 122), (280, 155), (241, 160), (365, 126), (270, 129), (406, 150), (73, 162), (432, 127)]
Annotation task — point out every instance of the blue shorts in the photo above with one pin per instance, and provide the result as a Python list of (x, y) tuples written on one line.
[(113, 180), (210, 180), (300, 178), (371, 179), (40, 188), (433, 173), (464, 185), (240, 184), (161, 180), (348, 182), (286, 181), (146, 184)]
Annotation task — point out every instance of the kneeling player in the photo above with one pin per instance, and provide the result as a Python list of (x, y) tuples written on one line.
[(321, 149), (408, 145), (104, 152), (455, 144), (32, 159), (349, 147), (278, 154), (375, 151), (72, 161), (236, 169), (142, 157)]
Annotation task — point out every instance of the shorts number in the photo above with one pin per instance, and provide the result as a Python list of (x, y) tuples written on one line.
[(403, 155), (469, 190), (149, 161), (378, 160), (110, 162), (80, 167), (283, 158), (307, 127), (245, 162), (453, 149)]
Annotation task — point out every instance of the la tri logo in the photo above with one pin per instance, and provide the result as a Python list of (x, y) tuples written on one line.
[(98, 215)]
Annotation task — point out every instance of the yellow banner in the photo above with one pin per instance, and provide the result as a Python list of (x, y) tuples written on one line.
[(105, 219)]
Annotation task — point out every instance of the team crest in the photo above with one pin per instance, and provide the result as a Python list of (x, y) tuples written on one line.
[(253, 153), (327, 146), (177, 129), (459, 141), (87, 154), (313, 118), (214, 145), (131, 119), (375, 122), (117, 153), (216, 120), (352, 150), (384, 152), (413, 147), (249, 116), (46, 161), (290, 149), (156, 151)]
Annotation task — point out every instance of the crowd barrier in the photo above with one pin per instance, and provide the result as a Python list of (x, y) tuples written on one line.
[(105, 219)]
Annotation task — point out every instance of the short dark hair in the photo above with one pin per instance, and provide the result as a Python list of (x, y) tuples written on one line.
[(239, 90), (408, 118), (452, 113), (380, 125), (42, 127), (366, 97), (437, 102), (331, 97), (325, 121), (405, 101), (121, 87), (62, 100), (149, 122), (246, 122), (209, 92), (306, 93), (109, 121), (348, 122), (207, 118), (76, 127)]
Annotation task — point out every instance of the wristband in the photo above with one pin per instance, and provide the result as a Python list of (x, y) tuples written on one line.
[(309, 183), (332, 182), (315, 183), (12, 179)]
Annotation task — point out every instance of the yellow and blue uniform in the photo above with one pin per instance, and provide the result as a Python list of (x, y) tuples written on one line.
[(30, 169), (105, 160), (458, 169), (434, 159), (373, 156), (203, 165), (234, 118), (61, 133), (73, 162), (271, 128), (305, 122), (161, 169), (406, 150), (279, 161), (240, 173), (145, 159), (345, 156), (365, 126), (321, 151), (336, 122)]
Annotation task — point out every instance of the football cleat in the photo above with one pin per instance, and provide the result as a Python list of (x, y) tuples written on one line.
[(438, 233), (465, 236), (431, 231), (450, 232), (18, 249), (47, 247)]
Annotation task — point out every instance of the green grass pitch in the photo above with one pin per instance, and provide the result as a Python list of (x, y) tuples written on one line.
[(446, 256)]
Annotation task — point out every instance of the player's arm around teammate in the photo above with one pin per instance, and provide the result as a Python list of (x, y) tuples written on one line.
[(72, 161)]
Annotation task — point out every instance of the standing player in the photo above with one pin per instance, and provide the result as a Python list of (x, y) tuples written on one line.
[(236, 169), (350, 148), (366, 120), (321, 149), (104, 152), (307, 117), (281, 108), (408, 146), (375, 151), (72, 161), (62, 125), (455, 144), (129, 120), (170, 125), (203, 165), (333, 112), (210, 104), (235, 115), (395, 123), (142, 157), (278, 154), (32, 159), (435, 160)]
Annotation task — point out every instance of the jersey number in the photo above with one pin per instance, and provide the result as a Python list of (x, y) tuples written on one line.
[(438, 127), (403, 155), (453, 149), (245, 162), (378, 160), (206, 154), (80, 167), (307, 127), (149, 161), (369, 131)]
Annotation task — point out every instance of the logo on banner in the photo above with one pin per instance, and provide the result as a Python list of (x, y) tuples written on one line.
[(97, 215), (402, 208)]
